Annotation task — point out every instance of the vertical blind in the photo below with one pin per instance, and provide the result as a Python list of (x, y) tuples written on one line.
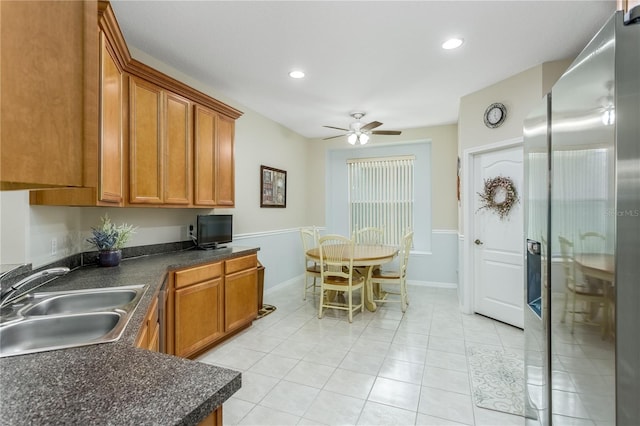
[(582, 194), (381, 195)]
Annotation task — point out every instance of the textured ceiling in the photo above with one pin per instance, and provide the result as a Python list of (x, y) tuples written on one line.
[(380, 57)]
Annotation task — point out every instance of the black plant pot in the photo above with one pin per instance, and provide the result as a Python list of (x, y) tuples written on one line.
[(109, 257)]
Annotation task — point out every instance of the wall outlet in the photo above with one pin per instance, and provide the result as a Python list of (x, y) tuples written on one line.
[(189, 232), (54, 246)]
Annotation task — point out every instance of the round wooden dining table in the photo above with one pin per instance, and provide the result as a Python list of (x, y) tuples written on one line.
[(365, 256), (601, 267), (597, 265)]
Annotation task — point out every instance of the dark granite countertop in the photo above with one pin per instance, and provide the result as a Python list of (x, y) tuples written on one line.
[(117, 383)]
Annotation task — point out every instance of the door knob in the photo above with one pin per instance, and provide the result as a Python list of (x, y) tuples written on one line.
[(478, 242)]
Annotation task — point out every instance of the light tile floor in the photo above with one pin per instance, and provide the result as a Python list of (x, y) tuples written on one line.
[(385, 368), (583, 364)]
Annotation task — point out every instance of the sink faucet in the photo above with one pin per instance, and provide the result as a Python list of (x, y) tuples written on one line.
[(54, 272)]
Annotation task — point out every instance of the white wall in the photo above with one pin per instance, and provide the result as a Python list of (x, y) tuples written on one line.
[(444, 150), (26, 232), (14, 227), (258, 141), (261, 141), (436, 264), (520, 94), (337, 203)]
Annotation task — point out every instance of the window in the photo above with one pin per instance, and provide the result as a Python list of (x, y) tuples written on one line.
[(582, 192), (338, 198), (381, 195)]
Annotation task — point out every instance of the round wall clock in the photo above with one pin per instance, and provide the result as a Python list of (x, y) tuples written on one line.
[(494, 115)]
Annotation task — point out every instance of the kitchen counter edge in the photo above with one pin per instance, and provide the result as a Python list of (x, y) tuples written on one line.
[(117, 383)]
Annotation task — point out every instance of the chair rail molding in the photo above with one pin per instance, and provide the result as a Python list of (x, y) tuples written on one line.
[(281, 254)]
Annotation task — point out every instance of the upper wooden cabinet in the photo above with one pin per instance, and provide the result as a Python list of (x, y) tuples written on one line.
[(145, 142), (109, 158), (178, 176), (49, 96), (143, 127), (214, 161), (103, 185), (159, 145), (225, 164)]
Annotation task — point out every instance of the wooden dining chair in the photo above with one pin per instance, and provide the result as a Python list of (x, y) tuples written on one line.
[(336, 269), (398, 277), (369, 235), (592, 242), (311, 267), (578, 291)]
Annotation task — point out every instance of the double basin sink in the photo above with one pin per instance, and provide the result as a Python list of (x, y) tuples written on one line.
[(57, 320)]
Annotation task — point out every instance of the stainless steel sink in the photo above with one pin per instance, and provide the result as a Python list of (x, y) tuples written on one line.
[(49, 333), (80, 301), (58, 320)]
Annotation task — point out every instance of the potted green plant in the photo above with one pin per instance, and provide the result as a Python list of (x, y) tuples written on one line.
[(109, 240)]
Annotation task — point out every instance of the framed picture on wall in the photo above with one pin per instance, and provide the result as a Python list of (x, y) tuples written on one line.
[(273, 187)]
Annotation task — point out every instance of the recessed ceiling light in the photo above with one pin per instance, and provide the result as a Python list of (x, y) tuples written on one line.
[(296, 74), (452, 43)]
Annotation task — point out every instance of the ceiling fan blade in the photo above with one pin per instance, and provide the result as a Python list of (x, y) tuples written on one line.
[(333, 137), (370, 126), (386, 132), (337, 128)]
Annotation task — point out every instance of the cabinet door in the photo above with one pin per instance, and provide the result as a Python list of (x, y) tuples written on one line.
[(213, 419), (145, 142), (214, 160), (49, 68), (177, 160), (154, 340), (143, 337), (110, 156), (198, 316), (204, 156), (225, 162), (149, 336), (241, 298)]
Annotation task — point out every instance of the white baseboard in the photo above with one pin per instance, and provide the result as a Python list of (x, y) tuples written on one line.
[(431, 284), (294, 280)]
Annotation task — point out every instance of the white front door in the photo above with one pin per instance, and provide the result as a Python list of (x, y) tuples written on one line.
[(498, 283)]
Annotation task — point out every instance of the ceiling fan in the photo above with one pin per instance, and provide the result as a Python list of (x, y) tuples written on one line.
[(357, 132)]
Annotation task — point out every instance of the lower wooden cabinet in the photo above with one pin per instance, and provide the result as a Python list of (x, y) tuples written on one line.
[(149, 336), (240, 299), (198, 316), (213, 419), (210, 302)]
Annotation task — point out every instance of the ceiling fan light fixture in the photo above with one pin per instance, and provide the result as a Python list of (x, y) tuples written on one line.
[(296, 74), (452, 43), (361, 133), (609, 116)]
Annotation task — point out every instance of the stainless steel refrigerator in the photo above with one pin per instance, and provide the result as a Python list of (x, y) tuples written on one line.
[(582, 221)]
